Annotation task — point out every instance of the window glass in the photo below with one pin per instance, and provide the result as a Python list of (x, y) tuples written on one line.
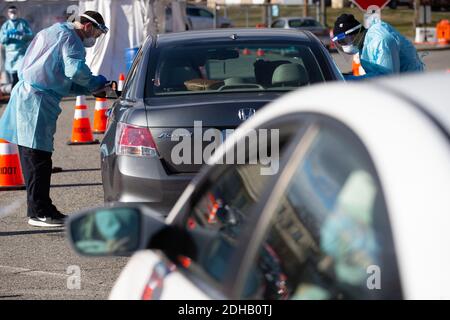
[(130, 85), (199, 69), (206, 14), (330, 232), (304, 23), (222, 212), (193, 12), (278, 24)]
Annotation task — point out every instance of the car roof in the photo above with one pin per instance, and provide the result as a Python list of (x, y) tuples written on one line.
[(297, 18), (223, 34), (433, 95)]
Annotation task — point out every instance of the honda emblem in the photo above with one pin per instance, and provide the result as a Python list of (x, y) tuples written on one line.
[(245, 113)]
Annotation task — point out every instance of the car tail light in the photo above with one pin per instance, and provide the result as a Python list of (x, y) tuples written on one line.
[(135, 141)]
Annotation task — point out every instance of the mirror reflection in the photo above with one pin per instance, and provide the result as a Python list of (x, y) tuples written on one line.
[(107, 231)]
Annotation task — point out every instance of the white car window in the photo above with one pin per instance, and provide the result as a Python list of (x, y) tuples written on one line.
[(330, 232), (278, 24), (222, 211)]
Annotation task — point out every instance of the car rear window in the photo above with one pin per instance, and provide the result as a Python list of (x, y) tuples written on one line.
[(200, 69), (300, 23)]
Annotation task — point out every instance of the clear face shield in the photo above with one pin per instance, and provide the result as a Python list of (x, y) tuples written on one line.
[(13, 14), (347, 44), (100, 30)]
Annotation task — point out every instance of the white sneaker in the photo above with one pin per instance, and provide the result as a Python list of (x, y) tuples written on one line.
[(45, 222)]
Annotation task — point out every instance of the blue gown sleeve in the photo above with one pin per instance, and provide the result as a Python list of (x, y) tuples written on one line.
[(75, 68), (4, 39), (28, 33), (384, 58)]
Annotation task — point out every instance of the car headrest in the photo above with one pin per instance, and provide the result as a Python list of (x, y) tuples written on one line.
[(234, 81), (290, 74)]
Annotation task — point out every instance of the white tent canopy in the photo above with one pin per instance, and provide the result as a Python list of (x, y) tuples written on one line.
[(129, 23)]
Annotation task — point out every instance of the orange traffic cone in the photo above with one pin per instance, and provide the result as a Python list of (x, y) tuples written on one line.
[(246, 52), (121, 82), (81, 129), (11, 177), (356, 66), (100, 115), (332, 46)]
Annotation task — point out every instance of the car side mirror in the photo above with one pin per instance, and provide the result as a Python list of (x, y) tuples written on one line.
[(109, 91), (113, 231)]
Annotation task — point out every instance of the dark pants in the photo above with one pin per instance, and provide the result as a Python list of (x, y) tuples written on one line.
[(13, 78), (37, 170)]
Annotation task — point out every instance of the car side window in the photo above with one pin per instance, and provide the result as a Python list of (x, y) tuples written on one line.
[(329, 237), (206, 14), (278, 24), (221, 213), (224, 204), (129, 88), (193, 12)]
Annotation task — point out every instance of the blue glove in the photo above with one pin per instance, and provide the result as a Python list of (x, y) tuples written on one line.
[(100, 82)]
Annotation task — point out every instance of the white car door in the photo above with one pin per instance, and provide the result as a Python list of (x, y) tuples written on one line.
[(147, 276), (329, 235), (216, 218)]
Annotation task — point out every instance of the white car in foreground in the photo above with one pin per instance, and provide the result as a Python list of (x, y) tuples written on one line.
[(359, 208)]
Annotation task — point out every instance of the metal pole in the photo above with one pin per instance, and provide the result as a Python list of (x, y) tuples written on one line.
[(323, 9), (246, 16), (416, 15), (215, 16), (269, 18), (317, 10)]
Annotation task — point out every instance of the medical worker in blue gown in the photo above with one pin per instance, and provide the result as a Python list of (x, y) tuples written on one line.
[(53, 67), (15, 35), (382, 50)]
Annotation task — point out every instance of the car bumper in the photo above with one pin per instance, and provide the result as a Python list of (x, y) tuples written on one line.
[(142, 181)]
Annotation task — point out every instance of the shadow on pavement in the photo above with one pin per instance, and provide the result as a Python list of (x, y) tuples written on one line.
[(75, 185), (27, 232), (10, 296), (79, 170)]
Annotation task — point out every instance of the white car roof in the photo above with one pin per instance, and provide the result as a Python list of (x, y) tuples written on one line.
[(432, 93), (411, 155)]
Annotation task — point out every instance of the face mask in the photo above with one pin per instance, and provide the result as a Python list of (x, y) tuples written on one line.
[(350, 49), (89, 42), (12, 16)]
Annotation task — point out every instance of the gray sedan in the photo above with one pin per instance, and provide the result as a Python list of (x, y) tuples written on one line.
[(181, 85), (304, 23)]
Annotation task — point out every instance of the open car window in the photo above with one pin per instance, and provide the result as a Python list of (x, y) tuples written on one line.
[(200, 69), (220, 214), (329, 237)]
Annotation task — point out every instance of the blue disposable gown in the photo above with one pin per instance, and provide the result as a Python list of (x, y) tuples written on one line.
[(53, 67), (385, 52), (15, 35)]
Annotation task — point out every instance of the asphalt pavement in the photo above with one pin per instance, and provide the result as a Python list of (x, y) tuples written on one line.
[(38, 263)]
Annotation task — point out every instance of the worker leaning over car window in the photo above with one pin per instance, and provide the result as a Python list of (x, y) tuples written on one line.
[(15, 35), (53, 67), (382, 50)]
